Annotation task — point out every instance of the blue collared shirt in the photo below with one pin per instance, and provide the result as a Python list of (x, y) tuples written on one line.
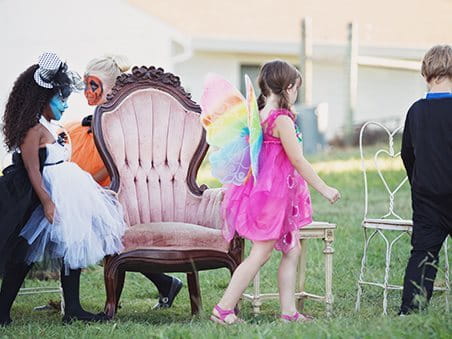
[(438, 95)]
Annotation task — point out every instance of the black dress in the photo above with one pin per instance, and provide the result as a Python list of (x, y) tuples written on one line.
[(17, 201)]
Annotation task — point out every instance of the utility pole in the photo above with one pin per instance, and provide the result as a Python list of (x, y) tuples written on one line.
[(306, 61), (352, 80)]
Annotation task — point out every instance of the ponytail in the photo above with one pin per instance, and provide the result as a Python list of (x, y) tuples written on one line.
[(265, 92), (284, 100), (261, 100)]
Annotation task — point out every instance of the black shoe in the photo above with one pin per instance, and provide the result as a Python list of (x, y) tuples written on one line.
[(167, 301), (88, 317), (407, 311)]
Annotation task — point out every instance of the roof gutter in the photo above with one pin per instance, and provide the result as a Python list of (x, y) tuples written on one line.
[(388, 57)]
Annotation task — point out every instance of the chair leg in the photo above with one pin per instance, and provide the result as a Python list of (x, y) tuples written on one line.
[(446, 269), (257, 302), (329, 251), (387, 268), (301, 276), (62, 304), (195, 293), (361, 274), (386, 276), (119, 286), (363, 267), (114, 282)]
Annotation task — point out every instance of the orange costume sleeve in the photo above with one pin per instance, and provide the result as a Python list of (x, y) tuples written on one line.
[(84, 151)]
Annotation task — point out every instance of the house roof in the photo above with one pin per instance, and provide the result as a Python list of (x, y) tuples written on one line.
[(389, 23)]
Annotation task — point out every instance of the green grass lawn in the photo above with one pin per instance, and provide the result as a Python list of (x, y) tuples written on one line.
[(341, 169)]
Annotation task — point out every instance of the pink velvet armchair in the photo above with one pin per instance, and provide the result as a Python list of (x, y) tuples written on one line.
[(151, 140)]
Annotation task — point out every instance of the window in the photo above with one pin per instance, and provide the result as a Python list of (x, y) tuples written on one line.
[(253, 72)]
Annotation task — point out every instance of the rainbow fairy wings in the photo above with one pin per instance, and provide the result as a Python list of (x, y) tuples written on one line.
[(233, 128)]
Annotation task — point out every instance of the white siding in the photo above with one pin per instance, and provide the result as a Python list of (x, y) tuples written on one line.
[(78, 31), (382, 93), (81, 30)]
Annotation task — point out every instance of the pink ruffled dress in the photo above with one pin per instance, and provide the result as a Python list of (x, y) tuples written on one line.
[(278, 205)]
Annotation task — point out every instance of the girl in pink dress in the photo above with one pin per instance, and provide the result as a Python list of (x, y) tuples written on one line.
[(270, 209)]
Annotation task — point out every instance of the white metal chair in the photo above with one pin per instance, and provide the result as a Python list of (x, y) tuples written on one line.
[(39, 290), (391, 221), (24, 290), (43, 290)]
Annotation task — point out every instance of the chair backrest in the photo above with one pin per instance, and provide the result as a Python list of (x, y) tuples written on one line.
[(152, 142), (390, 152)]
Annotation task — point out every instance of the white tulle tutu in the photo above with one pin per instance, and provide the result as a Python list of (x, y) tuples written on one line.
[(88, 222)]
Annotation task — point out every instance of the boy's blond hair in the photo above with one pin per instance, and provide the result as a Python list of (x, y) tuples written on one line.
[(437, 63)]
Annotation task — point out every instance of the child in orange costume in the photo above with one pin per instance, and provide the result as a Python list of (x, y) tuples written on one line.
[(100, 77), (84, 151)]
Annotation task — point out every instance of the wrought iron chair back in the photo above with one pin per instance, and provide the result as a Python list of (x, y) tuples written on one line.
[(391, 221), (392, 154)]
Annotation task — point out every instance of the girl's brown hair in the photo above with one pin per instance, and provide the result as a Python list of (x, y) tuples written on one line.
[(276, 77)]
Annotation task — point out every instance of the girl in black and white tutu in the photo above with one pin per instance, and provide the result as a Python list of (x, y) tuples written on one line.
[(49, 207)]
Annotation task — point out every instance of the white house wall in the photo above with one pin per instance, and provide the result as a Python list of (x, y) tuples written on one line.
[(382, 93), (78, 31), (386, 93), (81, 30), (193, 71)]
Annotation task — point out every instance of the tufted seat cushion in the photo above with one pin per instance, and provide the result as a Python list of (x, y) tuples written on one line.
[(173, 235)]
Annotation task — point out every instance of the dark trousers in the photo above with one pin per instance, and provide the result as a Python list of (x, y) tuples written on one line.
[(432, 223)]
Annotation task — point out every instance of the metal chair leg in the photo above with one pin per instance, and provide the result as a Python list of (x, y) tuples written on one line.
[(386, 276), (329, 251), (363, 267), (446, 269), (257, 294), (389, 247)]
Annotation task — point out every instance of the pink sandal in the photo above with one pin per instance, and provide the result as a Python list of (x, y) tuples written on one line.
[(222, 316), (297, 317)]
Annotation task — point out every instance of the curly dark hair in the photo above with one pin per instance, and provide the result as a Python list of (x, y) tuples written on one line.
[(26, 103)]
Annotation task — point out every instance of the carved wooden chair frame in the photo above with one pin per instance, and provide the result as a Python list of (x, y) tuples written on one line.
[(161, 259)]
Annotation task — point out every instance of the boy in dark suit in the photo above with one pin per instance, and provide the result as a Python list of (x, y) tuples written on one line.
[(427, 156)]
